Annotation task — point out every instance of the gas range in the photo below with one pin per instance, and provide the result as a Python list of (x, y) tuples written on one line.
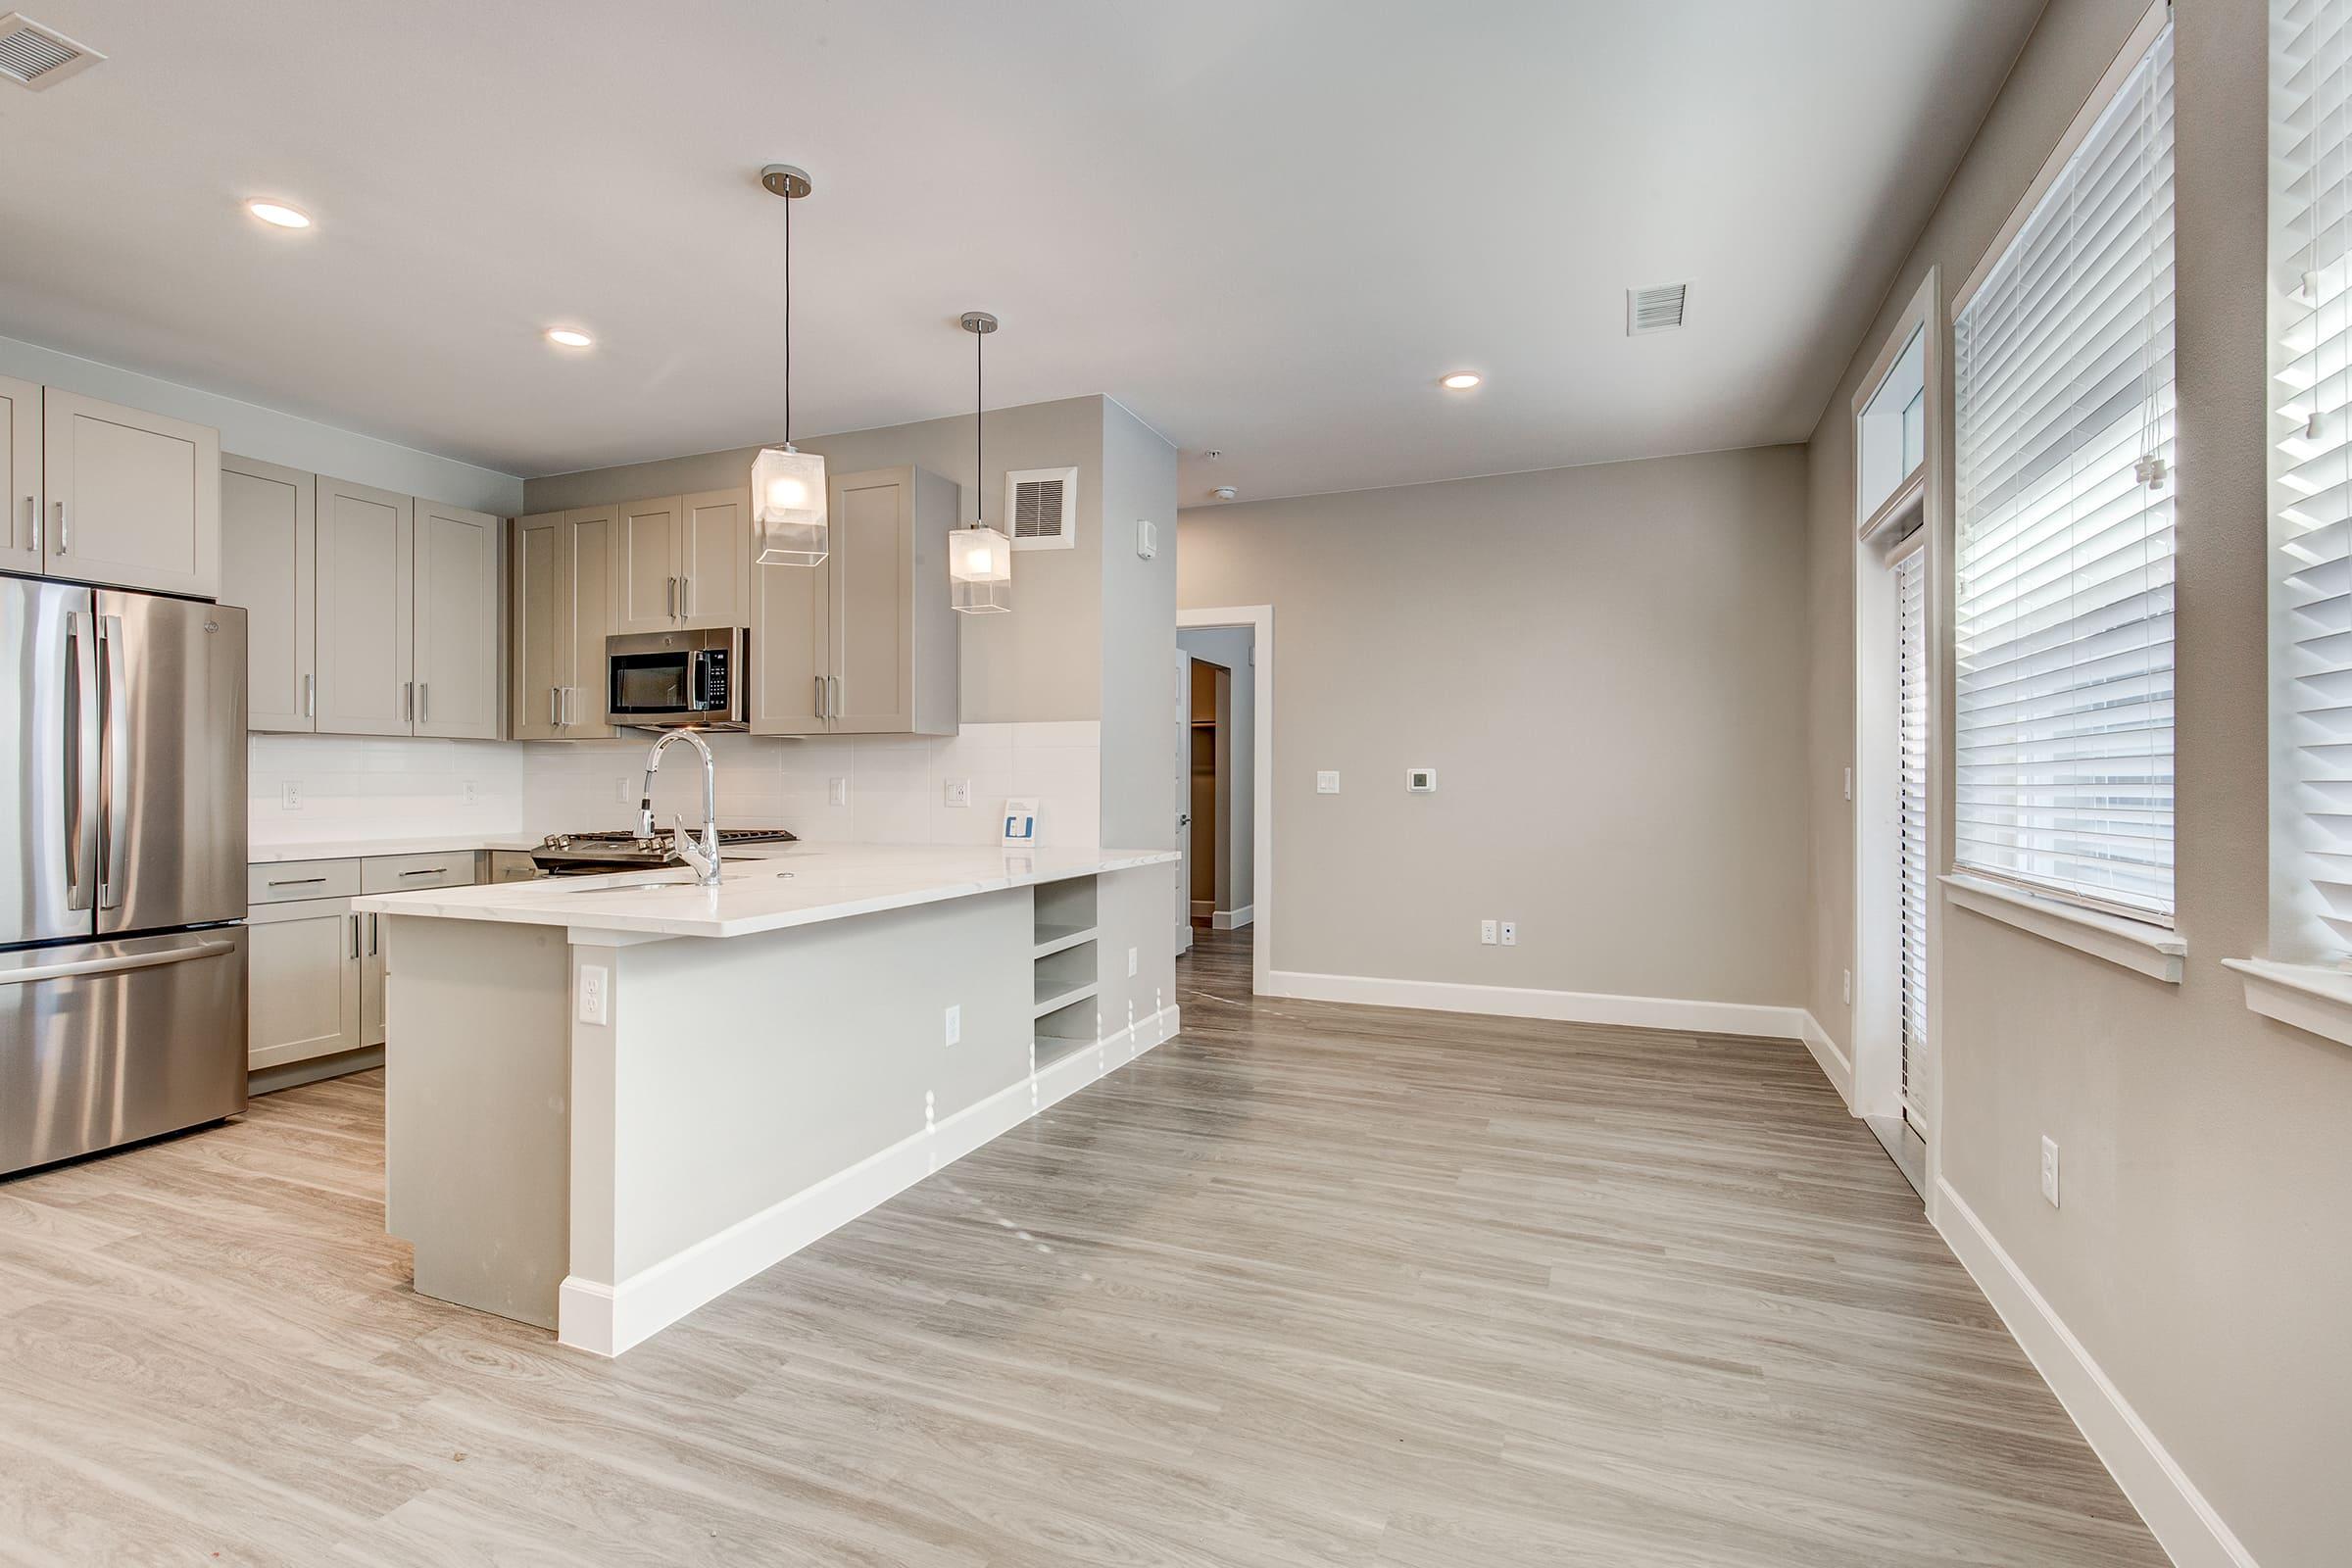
[(594, 853)]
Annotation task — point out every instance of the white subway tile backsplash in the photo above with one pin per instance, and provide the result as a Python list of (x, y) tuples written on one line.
[(355, 786)]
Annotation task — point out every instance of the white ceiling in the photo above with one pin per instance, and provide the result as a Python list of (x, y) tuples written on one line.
[(1264, 226)]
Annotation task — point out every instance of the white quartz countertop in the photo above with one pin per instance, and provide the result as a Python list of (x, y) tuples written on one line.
[(354, 849), (765, 889)]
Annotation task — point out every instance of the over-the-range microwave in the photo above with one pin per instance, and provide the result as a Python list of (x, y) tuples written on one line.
[(669, 678)]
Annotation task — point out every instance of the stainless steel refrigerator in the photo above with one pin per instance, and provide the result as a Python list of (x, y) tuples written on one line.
[(122, 867)]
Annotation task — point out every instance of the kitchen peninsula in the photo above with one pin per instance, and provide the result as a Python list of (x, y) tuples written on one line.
[(610, 1099)]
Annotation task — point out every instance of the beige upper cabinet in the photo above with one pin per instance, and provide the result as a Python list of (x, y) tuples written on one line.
[(21, 475), (456, 633), (563, 606), (133, 499), (717, 544), (367, 595), (647, 549), (269, 567), (864, 643)]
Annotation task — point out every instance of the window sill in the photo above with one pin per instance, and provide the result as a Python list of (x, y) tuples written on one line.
[(2137, 946), (2312, 998)]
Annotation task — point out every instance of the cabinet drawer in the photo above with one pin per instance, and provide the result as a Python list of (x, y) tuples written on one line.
[(512, 866), (301, 879), (406, 873)]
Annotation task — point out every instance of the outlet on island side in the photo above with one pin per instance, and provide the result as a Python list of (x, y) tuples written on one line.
[(1131, 963), (2049, 1170), (956, 1025)]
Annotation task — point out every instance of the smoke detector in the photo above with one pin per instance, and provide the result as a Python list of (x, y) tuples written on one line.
[(1224, 492), (37, 57), (1655, 310)]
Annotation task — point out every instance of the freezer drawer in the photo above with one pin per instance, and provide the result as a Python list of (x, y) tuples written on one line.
[(105, 1042)]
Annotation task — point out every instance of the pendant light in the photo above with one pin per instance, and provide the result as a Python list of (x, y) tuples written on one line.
[(979, 558), (788, 485)]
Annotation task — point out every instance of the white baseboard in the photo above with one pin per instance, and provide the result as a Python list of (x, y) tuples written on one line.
[(1566, 1006), (1233, 919), (2184, 1523), (608, 1319), (1835, 1065)]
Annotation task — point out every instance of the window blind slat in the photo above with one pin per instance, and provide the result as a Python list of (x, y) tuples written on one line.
[(2063, 591)]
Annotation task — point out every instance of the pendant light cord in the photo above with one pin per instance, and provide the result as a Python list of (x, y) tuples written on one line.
[(979, 416), (788, 314)]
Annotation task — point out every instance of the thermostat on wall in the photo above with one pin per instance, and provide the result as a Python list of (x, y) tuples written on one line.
[(1020, 824), (1421, 780)]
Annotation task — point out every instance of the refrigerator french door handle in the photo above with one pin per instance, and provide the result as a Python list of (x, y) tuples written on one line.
[(113, 784), (81, 759)]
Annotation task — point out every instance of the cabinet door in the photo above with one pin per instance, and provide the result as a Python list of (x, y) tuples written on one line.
[(456, 623), (367, 588), (540, 640), (648, 549), (19, 476), (134, 498), (791, 627), (371, 981), (269, 567), (303, 981), (718, 549), (589, 558), (872, 562)]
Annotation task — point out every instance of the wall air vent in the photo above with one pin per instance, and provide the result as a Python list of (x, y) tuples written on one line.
[(40, 57), (1041, 507), (1655, 310)]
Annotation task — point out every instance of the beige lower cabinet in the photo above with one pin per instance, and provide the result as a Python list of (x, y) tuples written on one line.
[(864, 643), (303, 981), (562, 612), (367, 611)]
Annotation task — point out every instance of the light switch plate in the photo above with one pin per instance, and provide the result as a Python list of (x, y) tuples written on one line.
[(1327, 783)]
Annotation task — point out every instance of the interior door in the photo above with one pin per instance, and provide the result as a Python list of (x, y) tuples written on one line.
[(171, 762), (456, 623), (134, 498), (717, 551), (19, 476), (366, 587), (1182, 751), (648, 548), (872, 566), (48, 761), (269, 567)]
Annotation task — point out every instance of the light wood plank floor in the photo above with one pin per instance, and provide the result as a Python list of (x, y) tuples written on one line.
[(1308, 1284)]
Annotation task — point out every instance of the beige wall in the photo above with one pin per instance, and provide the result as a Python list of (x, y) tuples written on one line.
[(1041, 662), (2200, 1254), (1603, 664)]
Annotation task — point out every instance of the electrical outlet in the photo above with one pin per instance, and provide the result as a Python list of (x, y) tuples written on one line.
[(1845, 988), (1486, 932), (473, 793), (959, 791), (837, 792), (2049, 1171), (596, 993), (289, 795), (1130, 963), (1849, 783), (1508, 933), (1327, 783), (956, 1025)]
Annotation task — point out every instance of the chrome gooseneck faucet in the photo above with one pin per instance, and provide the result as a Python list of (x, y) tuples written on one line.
[(703, 856)]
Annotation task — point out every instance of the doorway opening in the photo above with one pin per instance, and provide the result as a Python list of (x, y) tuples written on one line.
[(1225, 662)]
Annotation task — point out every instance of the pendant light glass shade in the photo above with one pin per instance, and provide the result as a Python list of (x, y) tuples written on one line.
[(980, 570), (788, 507)]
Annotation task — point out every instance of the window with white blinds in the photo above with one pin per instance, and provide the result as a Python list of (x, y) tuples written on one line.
[(2311, 517), (1912, 694), (2063, 598)]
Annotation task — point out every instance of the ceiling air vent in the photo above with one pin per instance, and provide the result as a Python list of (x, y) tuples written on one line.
[(1655, 310), (40, 57), (1041, 505)]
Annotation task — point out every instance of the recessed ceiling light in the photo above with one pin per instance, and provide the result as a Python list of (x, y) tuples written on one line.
[(566, 337), (279, 214), (1461, 380)]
